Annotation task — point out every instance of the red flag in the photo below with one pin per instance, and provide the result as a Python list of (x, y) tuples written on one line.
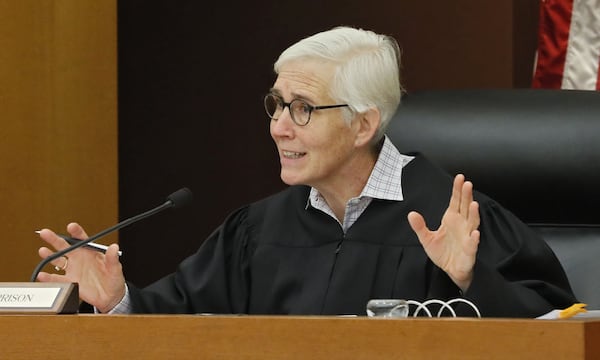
[(568, 54)]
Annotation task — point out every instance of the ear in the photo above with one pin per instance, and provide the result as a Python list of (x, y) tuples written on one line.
[(367, 124)]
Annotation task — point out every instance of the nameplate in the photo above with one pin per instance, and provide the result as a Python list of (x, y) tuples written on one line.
[(39, 298)]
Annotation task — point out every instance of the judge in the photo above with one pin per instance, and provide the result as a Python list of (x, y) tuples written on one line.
[(358, 221)]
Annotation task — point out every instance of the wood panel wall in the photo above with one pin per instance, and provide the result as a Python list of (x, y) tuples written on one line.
[(58, 133)]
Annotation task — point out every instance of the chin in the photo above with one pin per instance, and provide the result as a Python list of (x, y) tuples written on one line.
[(290, 179)]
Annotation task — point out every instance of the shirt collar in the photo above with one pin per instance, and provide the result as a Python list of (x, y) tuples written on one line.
[(385, 181)]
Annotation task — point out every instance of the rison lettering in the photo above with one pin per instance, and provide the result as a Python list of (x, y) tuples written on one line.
[(16, 298)]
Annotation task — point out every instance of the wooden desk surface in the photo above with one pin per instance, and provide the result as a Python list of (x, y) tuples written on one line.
[(290, 337)]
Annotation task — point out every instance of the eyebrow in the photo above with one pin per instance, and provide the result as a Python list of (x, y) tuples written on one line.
[(294, 97), (274, 91)]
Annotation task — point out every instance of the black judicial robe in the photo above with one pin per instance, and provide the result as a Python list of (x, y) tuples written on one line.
[(276, 256)]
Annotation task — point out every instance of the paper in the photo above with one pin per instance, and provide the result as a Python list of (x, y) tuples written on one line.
[(575, 311)]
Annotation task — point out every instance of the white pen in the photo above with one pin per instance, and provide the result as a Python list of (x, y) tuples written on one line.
[(92, 245)]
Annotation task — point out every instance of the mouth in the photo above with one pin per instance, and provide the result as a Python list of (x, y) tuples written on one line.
[(292, 154)]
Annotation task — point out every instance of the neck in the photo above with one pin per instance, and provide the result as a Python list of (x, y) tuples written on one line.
[(348, 184)]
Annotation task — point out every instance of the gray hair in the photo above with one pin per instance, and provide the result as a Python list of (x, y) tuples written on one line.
[(367, 69)]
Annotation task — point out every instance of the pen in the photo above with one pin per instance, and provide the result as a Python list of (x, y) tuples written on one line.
[(91, 246)]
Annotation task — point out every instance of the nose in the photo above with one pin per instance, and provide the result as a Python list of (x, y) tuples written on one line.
[(284, 125)]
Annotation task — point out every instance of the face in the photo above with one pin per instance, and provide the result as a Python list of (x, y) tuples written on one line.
[(320, 153)]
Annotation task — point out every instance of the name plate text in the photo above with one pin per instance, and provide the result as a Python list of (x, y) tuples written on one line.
[(43, 298)]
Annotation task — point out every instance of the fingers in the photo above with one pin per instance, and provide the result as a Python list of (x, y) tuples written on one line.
[(44, 252), (471, 246), (64, 265), (456, 193), (475, 234), (51, 238), (112, 257), (473, 218), (46, 277), (57, 242), (461, 200), (60, 264), (77, 231), (417, 223), (466, 197)]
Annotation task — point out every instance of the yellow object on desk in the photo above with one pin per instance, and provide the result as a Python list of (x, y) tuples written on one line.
[(572, 311)]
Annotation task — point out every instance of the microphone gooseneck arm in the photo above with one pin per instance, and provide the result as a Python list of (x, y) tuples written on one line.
[(175, 200)]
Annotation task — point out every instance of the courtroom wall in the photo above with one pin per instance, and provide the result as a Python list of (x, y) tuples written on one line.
[(58, 135)]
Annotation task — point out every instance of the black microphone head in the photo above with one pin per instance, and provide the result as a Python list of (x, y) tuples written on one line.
[(180, 198)]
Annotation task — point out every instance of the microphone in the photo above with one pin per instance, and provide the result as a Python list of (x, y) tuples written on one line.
[(176, 200)]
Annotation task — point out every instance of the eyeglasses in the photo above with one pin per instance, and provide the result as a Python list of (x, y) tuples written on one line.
[(299, 110)]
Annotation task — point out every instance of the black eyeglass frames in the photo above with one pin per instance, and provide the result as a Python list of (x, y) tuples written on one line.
[(300, 111)]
